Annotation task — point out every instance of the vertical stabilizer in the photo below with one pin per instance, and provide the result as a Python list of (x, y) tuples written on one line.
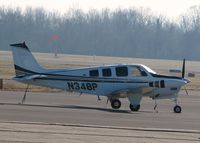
[(24, 61)]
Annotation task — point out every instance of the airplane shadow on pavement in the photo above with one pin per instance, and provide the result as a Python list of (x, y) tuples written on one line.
[(78, 107)]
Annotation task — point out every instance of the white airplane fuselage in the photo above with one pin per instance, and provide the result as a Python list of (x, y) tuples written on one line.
[(80, 80)]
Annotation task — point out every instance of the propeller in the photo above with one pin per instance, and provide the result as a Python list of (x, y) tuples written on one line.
[(186, 90), (183, 69), (183, 75)]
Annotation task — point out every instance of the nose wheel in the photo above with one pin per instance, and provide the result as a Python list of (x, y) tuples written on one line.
[(177, 109), (115, 103)]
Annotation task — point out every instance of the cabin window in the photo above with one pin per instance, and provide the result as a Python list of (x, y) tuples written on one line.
[(94, 73), (106, 72), (122, 71), (136, 71)]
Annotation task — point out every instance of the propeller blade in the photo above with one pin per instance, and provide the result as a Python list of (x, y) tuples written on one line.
[(186, 90), (183, 69)]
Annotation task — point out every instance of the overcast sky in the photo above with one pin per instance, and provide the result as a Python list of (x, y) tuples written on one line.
[(170, 8)]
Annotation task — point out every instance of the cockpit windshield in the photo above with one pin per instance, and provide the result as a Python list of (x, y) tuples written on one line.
[(149, 70)]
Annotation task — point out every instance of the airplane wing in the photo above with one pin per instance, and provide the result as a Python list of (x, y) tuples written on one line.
[(29, 77), (134, 95), (132, 91)]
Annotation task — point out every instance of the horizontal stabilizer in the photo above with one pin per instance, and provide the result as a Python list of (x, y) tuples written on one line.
[(31, 77)]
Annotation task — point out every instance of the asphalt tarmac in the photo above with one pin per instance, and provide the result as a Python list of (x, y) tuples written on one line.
[(64, 108)]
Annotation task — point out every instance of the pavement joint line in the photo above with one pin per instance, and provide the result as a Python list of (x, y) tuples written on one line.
[(10, 141), (103, 135), (104, 127)]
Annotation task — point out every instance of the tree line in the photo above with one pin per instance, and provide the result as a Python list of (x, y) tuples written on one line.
[(123, 32)]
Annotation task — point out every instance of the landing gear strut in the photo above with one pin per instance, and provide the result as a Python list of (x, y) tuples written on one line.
[(115, 103), (134, 107)]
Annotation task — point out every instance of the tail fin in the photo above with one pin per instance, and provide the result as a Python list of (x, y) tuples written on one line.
[(24, 61)]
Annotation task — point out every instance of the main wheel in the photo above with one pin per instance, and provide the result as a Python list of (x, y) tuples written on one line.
[(115, 103), (177, 109), (134, 107)]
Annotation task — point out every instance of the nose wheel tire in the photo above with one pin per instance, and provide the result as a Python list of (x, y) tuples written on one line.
[(134, 107), (115, 103), (177, 109)]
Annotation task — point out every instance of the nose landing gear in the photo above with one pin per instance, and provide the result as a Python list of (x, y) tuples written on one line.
[(177, 108)]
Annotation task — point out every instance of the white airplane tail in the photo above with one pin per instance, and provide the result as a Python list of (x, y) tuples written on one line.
[(24, 61)]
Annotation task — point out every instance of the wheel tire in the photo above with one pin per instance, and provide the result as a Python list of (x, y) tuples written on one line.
[(115, 103), (177, 109), (134, 108)]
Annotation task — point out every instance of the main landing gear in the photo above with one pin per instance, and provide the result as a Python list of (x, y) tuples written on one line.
[(134, 107), (115, 103)]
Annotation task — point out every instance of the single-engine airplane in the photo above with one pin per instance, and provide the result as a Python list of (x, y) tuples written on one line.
[(132, 81)]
